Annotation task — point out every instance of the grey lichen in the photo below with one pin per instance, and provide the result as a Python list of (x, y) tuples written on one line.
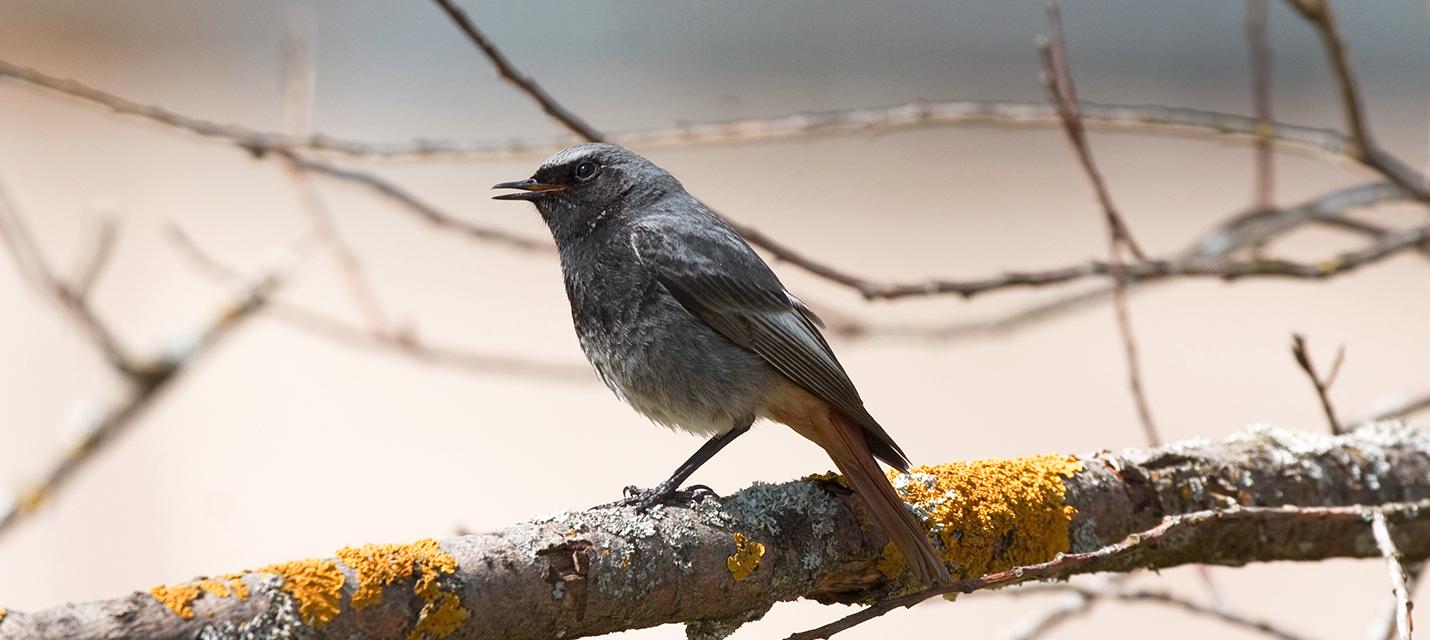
[(722, 628), (278, 621)]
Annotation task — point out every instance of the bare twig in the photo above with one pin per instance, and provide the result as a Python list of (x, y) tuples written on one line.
[(424, 211), (1072, 605), (299, 82), (1166, 598), (1402, 409), (1363, 146), (147, 378), (94, 261), (1146, 118), (328, 327), (975, 112), (1383, 628), (522, 81), (1259, 47), (1396, 569), (1322, 385), (1057, 79), (1066, 564), (33, 267), (156, 378)]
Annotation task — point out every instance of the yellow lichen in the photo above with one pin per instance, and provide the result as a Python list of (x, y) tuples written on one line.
[(317, 585), (236, 584), (441, 615), (178, 598), (214, 588), (380, 565), (746, 558), (2, 614), (993, 515)]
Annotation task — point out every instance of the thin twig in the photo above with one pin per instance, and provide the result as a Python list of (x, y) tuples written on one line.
[(1065, 564), (95, 259), (1072, 605), (328, 327), (1396, 569), (424, 211), (35, 270), (1172, 118), (1400, 410), (299, 85), (1363, 146), (522, 81), (1322, 385), (1166, 598), (1057, 79), (1259, 48), (1133, 118), (1383, 628)]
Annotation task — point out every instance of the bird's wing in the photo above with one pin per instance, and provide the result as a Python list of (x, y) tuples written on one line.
[(716, 276)]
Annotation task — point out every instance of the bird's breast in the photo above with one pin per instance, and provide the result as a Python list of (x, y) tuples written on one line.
[(662, 360)]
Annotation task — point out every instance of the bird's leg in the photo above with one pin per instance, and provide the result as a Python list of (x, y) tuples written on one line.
[(647, 498)]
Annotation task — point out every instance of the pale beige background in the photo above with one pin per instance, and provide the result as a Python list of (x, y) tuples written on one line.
[(284, 446)]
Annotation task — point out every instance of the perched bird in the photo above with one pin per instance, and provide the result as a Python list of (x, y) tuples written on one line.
[(685, 322)]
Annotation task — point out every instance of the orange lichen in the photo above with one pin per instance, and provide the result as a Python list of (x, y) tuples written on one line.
[(441, 615), (2, 614), (317, 585), (214, 588), (746, 558), (993, 515), (380, 565), (178, 598), (236, 584)]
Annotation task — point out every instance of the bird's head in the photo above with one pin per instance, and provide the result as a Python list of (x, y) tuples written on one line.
[(583, 185)]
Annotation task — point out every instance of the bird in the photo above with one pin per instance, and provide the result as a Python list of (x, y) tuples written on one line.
[(687, 324)]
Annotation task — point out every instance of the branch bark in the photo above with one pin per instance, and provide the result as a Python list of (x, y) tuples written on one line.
[(1265, 494)]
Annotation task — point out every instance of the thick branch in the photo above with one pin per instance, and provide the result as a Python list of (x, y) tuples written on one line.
[(1263, 495)]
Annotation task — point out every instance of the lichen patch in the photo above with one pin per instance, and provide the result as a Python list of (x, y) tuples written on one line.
[(317, 585), (179, 598), (746, 558), (991, 515), (380, 565)]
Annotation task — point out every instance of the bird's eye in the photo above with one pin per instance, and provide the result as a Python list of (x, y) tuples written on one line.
[(586, 170)]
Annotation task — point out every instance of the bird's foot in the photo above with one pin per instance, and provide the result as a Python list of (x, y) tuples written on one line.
[(665, 492)]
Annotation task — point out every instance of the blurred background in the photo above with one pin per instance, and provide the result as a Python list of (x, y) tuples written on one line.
[(283, 443)]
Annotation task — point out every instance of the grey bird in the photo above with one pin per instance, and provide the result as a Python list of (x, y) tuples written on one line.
[(687, 324)]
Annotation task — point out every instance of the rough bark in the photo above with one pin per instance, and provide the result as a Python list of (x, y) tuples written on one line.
[(719, 563)]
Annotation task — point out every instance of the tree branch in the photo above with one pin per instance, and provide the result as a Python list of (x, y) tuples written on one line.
[(263, 144), (1265, 494), (1133, 118), (522, 81), (1062, 92), (1396, 570)]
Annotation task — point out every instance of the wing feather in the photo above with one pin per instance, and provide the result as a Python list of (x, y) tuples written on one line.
[(715, 275)]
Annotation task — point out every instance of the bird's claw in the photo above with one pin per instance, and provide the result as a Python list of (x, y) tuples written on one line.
[(644, 499)]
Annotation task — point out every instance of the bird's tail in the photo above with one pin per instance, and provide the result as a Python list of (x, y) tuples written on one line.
[(846, 445)]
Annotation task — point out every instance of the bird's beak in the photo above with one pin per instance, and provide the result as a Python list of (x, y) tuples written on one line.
[(530, 189)]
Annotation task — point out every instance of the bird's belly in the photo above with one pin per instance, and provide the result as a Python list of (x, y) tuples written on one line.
[(681, 373)]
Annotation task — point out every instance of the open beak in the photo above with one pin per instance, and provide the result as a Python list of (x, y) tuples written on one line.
[(530, 189)]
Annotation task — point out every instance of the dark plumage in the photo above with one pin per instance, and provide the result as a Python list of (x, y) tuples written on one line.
[(684, 321)]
